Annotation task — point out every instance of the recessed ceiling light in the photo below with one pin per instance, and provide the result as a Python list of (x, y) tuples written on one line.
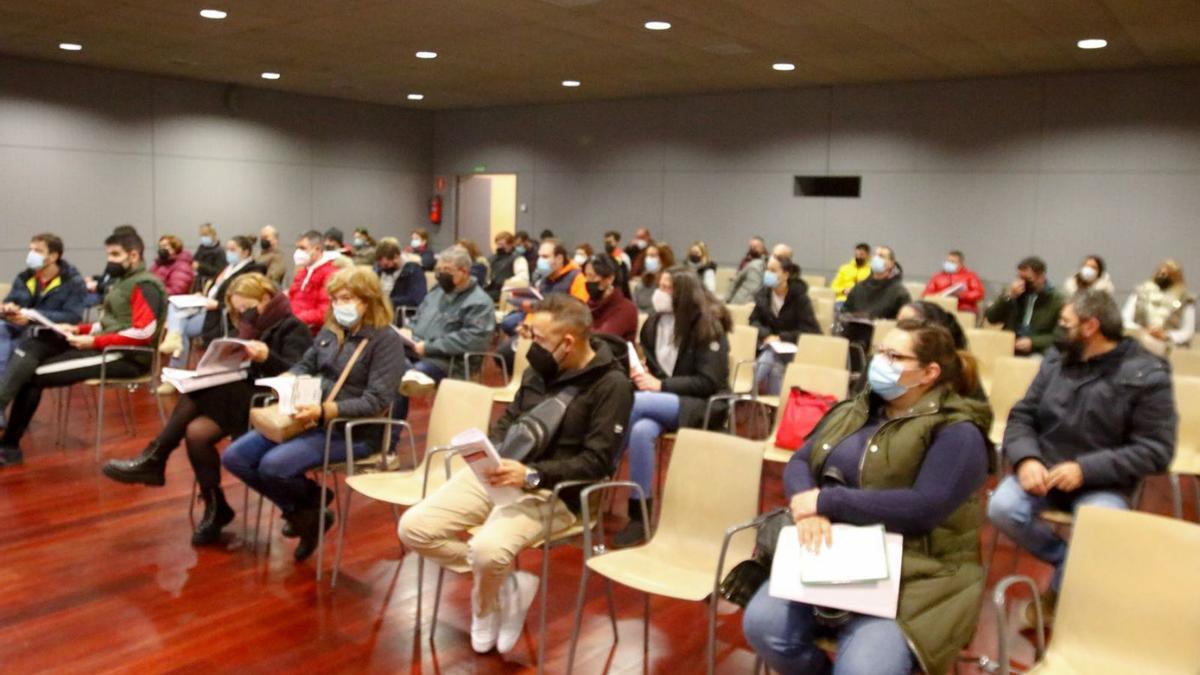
[(784, 66), (213, 13), (270, 76), (1092, 43), (570, 83), (416, 97), (657, 25), (426, 55), (70, 46)]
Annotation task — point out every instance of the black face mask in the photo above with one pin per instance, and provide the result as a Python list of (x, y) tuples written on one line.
[(265, 246), (249, 316), (1071, 349), (609, 248), (114, 270), (695, 258), (387, 270), (594, 291), (543, 363), (1163, 282), (445, 281), (164, 255), (332, 247)]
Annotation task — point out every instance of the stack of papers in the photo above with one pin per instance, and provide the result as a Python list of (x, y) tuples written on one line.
[(293, 391), (188, 301), (226, 360), (859, 572), (39, 318), (783, 347), (474, 447)]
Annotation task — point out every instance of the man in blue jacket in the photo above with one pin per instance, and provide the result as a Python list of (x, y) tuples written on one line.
[(49, 285)]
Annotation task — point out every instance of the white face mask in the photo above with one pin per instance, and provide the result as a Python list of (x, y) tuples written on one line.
[(1088, 273), (580, 259), (416, 242), (346, 314), (661, 300), (301, 258)]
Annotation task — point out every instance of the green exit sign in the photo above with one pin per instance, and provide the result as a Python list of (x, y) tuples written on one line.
[(480, 168)]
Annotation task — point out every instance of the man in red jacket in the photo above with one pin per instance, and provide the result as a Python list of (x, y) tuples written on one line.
[(958, 281), (314, 267)]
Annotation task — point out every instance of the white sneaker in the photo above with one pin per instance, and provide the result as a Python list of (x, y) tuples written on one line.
[(484, 629), (516, 595), (416, 383)]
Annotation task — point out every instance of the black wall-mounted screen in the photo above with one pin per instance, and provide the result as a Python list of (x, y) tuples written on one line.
[(828, 186)]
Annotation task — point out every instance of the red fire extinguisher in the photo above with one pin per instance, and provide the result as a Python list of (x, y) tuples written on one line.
[(435, 210)]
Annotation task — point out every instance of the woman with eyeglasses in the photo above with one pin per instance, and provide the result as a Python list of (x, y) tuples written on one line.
[(909, 452)]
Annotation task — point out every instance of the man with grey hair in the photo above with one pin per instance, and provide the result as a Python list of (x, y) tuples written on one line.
[(270, 257), (1098, 418), (456, 317)]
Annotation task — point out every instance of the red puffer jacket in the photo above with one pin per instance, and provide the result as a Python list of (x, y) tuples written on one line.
[(177, 274), (307, 294)]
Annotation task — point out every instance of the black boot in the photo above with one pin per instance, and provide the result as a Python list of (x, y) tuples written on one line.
[(147, 468), (217, 514), (306, 522), (289, 530), (635, 531)]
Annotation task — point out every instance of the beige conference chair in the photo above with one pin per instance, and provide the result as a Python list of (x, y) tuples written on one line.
[(1185, 362), (833, 382), (1187, 448), (740, 314), (814, 280), (1128, 602), (1013, 376), (987, 346)]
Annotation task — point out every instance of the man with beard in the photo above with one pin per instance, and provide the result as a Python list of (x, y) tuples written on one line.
[(1098, 418)]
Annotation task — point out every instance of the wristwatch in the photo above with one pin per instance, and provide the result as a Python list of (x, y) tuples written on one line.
[(533, 478)]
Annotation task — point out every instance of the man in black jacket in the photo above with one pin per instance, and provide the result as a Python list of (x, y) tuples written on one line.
[(882, 294), (585, 447), (1098, 418)]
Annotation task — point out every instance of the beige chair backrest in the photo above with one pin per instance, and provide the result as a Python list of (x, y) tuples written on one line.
[(987, 346), (430, 281), (642, 316), (1187, 448), (520, 360), (743, 345), (1141, 568), (814, 280), (724, 277), (822, 350), (948, 304), (823, 309), (1185, 362), (815, 292), (458, 406), (1013, 375), (915, 289), (704, 464), (833, 382), (740, 314), (5, 287), (966, 320), (882, 328)]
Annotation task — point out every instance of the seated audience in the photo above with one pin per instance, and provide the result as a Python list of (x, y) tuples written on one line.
[(1092, 275), (419, 246), (853, 272), (957, 280), (699, 262), (314, 267), (556, 273), (204, 417), (527, 247), (335, 242), (507, 266), (1029, 307), (48, 284), (562, 355), (635, 250), (456, 317), (209, 258), (174, 266), (926, 313), (97, 286), (359, 323), (270, 256), (479, 263), (1162, 310), (656, 259), (403, 281), (687, 361), (921, 479), (363, 247), (612, 312), (749, 276), (134, 308), (612, 246), (183, 325), (1097, 420), (583, 253), (782, 312), (882, 294)]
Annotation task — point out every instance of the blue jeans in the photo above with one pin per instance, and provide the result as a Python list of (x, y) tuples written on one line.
[(511, 322), (653, 414), (189, 323), (1015, 513), (781, 632), (768, 371), (10, 337), (277, 471)]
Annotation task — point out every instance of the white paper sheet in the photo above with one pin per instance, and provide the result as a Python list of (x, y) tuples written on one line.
[(39, 318), (189, 301), (874, 598), (783, 347), (474, 446)]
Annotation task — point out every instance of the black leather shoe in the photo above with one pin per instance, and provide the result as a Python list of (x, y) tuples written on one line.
[(148, 468), (306, 523), (217, 514), (11, 456), (633, 534), (289, 530)]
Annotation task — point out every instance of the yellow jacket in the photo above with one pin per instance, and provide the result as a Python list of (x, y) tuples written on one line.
[(847, 276)]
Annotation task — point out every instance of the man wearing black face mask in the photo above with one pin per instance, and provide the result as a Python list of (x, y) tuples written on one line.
[(612, 312), (563, 354), (1029, 307), (134, 309), (1098, 418), (270, 257), (456, 317)]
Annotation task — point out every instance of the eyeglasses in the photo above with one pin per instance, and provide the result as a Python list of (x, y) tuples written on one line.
[(893, 356)]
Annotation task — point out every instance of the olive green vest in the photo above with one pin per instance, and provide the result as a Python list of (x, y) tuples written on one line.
[(118, 306), (941, 580)]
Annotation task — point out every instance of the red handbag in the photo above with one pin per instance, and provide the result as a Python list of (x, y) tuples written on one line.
[(801, 413)]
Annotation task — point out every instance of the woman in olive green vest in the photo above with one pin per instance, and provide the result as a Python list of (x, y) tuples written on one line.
[(911, 453)]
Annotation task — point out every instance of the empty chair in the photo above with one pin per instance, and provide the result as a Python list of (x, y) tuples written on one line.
[(507, 393), (882, 328), (823, 308), (987, 346), (948, 303), (743, 345), (833, 382), (740, 314), (814, 280), (725, 277), (1013, 377), (966, 320), (817, 292), (1128, 600), (1187, 448), (822, 350), (1185, 362)]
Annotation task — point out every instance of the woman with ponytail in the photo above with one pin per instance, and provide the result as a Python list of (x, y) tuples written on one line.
[(909, 452)]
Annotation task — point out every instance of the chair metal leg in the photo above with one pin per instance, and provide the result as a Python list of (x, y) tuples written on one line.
[(192, 503), (437, 601), (612, 608), (1176, 495), (321, 524), (343, 524), (711, 649), (420, 590), (99, 419), (162, 413), (578, 618), (544, 591), (645, 630)]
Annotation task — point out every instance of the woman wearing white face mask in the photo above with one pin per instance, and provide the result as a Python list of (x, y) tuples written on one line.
[(357, 334), (687, 361), (782, 312), (657, 259), (909, 452), (419, 245), (1091, 275), (208, 258)]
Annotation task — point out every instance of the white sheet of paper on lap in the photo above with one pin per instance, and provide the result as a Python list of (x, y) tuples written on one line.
[(293, 390), (954, 290), (477, 450), (189, 301), (39, 318), (635, 364), (783, 347), (873, 598)]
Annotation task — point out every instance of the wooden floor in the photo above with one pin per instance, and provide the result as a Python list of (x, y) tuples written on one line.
[(101, 577)]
